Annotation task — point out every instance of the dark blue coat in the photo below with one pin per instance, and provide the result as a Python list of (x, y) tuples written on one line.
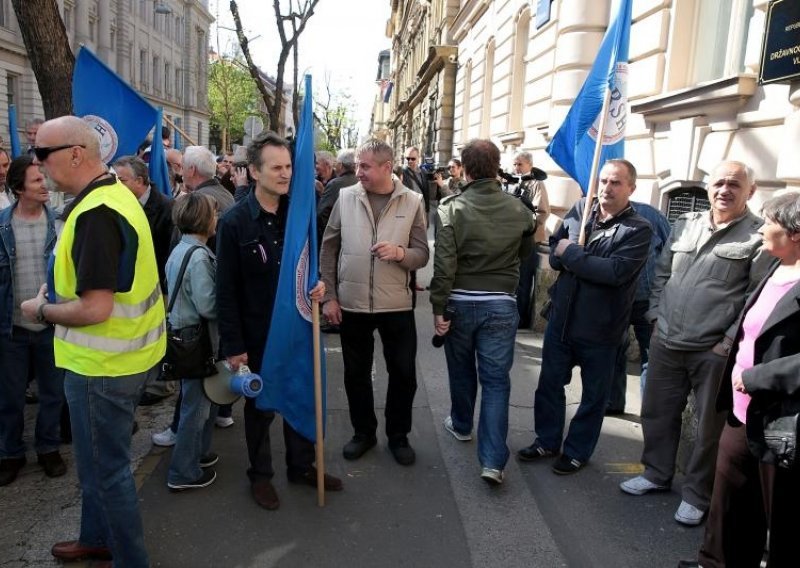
[(592, 297)]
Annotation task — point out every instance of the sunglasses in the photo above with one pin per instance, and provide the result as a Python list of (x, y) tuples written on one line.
[(42, 152), (411, 159)]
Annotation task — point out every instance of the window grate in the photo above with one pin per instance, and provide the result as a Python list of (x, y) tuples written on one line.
[(686, 200)]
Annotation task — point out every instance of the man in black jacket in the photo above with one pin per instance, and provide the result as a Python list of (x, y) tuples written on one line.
[(588, 317), (249, 248)]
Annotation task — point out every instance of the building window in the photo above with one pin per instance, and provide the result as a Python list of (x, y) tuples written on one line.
[(516, 111), (488, 82), (92, 27), (179, 85), (68, 18), (156, 74), (168, 78), (686, 200), (465, 111), (143, 10), (199, 132), (12, 87), (143, 68), (3, 14)]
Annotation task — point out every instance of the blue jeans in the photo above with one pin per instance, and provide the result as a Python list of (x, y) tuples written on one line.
[(102, 411), (17, 351), (549, 407), (482, 333), (194, 433)]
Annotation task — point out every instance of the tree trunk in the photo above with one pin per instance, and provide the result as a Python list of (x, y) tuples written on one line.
[(52, 61)]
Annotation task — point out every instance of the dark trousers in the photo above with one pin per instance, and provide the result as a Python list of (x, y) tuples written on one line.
[(526, 288), (749, 496), (399, 336), (642, 329), (299, 450)]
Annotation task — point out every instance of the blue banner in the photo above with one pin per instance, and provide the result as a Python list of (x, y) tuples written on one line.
[(176, 138), (288, 365), (13, 133), (119, 115), (573, 145), (159, 170)]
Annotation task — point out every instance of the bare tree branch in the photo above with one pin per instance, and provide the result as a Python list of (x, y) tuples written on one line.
[(254, 73)]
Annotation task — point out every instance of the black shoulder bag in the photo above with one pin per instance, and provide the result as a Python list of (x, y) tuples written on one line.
[(189, 354)]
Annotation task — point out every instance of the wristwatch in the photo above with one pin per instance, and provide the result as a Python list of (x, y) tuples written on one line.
[(40, 313)]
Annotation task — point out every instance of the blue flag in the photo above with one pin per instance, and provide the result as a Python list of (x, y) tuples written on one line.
[(159, 171), (176, 142), (288, 365), (573, 145), (119, 115), (13, 132)]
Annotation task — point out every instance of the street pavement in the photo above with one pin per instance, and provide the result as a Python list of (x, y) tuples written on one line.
[(435, 513)]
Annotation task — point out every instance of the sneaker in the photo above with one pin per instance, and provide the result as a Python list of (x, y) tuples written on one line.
[(402, 451), (689, 515), (223, 421), (208, 460), (534, 452), (358, 446), (9, 468), (165, 439), (492, 476), (52, 463), (207, 478), (566, 465), (448, 425), (641, 485)]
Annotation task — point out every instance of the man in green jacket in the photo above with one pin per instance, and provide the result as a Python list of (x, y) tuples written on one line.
[(481, 236)]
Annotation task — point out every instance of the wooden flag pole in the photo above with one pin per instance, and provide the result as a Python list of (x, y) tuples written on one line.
[(320, 445), (598, 148), (178, 128)]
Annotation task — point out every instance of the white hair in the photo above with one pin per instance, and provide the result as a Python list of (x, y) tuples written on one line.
[(201, 159)]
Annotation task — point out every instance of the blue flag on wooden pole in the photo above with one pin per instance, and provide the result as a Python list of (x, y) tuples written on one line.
[(13, 132), (573, 145), (288, 365)]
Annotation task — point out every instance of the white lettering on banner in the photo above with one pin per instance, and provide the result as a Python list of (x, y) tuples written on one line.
[(617, 110), (302, 300)]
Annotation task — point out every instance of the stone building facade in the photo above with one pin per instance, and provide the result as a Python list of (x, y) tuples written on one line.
[(160, 47), (510, 70)]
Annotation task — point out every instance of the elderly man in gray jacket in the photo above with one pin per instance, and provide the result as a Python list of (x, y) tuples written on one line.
[(374, 238), (702, 277)]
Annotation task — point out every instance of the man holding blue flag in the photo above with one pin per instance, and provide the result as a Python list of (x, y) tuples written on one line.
[(605, 88), (250, 243)]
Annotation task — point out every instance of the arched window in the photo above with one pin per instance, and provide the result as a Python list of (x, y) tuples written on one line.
[(488, 82), (516, 112)]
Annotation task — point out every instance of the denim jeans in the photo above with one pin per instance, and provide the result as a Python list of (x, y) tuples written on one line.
[(17, 351), (480, 349), (642, 329), (549, 407), (102, 411), (195, 427)]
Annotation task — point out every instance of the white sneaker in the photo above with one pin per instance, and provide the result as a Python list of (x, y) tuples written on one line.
[(492, 476), (223, 421), (689, 515), (641, 485), (448, 425), (165, 439)]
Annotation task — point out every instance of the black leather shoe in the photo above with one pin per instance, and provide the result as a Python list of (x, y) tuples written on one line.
[(403, 452), (534, 452), (265, 495), (52, 463), (358, 446), (689, 564), (9, 468)]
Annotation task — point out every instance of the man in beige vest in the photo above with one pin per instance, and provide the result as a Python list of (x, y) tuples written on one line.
[(375, 237)]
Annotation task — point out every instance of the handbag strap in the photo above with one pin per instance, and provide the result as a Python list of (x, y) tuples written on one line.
[(181, 272)]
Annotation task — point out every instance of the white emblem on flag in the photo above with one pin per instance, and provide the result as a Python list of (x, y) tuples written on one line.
[(109, 142), (302, 299), (617, 110)]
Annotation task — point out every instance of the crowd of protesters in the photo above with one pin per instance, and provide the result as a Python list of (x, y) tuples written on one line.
[(713, 300)]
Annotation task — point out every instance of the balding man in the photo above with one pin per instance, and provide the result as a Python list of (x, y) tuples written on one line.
[(699, 289), (175, 163), (108, 314)]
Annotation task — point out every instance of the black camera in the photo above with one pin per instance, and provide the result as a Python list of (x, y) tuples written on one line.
[(514, 184)]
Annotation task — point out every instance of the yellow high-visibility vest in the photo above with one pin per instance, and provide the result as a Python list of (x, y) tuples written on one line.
[(133, 339)]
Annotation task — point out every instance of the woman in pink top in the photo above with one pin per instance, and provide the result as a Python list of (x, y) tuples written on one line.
[(752, 494)]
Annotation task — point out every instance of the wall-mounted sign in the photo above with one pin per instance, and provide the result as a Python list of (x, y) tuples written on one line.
[(542, 12), (780, 52)]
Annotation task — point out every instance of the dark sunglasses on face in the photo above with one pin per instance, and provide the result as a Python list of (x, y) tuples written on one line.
[(42, 152), (409, 159)]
